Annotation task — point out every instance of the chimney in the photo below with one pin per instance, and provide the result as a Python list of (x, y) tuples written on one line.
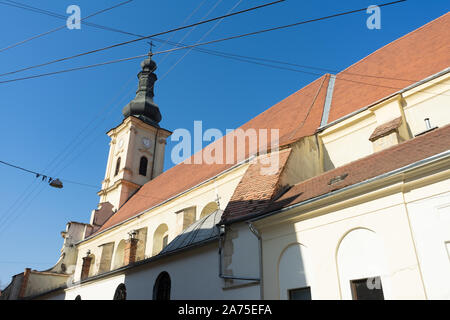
[(130, 249), (23, 286), (86, 266)]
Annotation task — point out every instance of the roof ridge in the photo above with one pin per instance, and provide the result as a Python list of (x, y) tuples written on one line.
[(395, 41)]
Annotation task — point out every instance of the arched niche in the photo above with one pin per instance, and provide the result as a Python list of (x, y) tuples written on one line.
[(160, 238), (119, 255), (208, 209), (295, 273), (360, 255)]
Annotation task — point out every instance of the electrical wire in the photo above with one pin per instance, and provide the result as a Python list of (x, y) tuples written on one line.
[(143, 38), (229, 56), (39, 175), (207, 51), (61, 27)]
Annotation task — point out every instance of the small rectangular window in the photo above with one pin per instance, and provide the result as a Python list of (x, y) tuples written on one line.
[(300, 294), (367, 289)]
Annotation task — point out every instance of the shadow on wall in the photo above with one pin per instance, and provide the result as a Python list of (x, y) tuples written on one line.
[(327, 163)]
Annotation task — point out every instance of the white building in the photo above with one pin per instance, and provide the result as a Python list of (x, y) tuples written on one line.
[(356, 205)]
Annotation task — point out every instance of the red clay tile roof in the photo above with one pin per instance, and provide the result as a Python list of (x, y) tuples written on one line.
[(415, 56), (384, 161), (287, 116), (255, 191)]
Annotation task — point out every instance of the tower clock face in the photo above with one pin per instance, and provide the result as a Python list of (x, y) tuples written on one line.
[(146, 142)]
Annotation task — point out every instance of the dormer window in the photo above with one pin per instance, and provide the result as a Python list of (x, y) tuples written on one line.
[(117, 167), (143, 166)]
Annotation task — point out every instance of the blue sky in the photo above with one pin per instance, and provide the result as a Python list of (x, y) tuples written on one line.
[(42, 117)]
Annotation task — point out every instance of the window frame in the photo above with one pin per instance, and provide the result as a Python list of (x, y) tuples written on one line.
[(289, 292), (353, 286), (165, 294), (143, 169), (116, 171)]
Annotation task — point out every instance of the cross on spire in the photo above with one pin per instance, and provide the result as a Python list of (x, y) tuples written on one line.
[(151, 47), (218, 200)]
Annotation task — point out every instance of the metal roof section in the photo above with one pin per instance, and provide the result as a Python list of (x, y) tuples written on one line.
[(198, 232), (328, 99)]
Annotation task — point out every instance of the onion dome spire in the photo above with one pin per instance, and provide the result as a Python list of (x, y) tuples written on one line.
[(143, 106)]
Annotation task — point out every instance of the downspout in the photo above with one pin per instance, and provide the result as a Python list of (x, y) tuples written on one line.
[(221, 275), (260, 253)]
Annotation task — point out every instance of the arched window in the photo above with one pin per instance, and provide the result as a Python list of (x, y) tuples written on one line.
[(78, 297), (121, 292), (160, 238), (117, 167), (119, 255), (161, 289), (208, 209), (143, 166)]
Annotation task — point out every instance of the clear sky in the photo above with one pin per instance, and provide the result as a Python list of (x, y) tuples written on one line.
[(57, 124)]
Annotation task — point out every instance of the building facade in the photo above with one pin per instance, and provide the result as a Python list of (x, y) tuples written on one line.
[(356, 204)]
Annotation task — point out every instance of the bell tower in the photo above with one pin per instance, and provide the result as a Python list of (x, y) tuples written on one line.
[(137, 146)]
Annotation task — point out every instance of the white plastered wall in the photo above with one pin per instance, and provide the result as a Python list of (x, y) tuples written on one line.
[(385, 217), (193, 274)]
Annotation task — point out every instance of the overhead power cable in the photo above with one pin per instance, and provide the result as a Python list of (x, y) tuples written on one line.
[(143, 38), (234, 57), (207, 51), (230, 56), (226, 55), (61, 27), (43, 176)]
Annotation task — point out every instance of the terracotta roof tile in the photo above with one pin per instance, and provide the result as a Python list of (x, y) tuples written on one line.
[(255, 191), (385, 129)]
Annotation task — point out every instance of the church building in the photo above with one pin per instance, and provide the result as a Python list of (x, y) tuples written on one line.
[(357, 206)]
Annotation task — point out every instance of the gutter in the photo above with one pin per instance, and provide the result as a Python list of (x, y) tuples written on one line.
[(260, 252), (392, 173)]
